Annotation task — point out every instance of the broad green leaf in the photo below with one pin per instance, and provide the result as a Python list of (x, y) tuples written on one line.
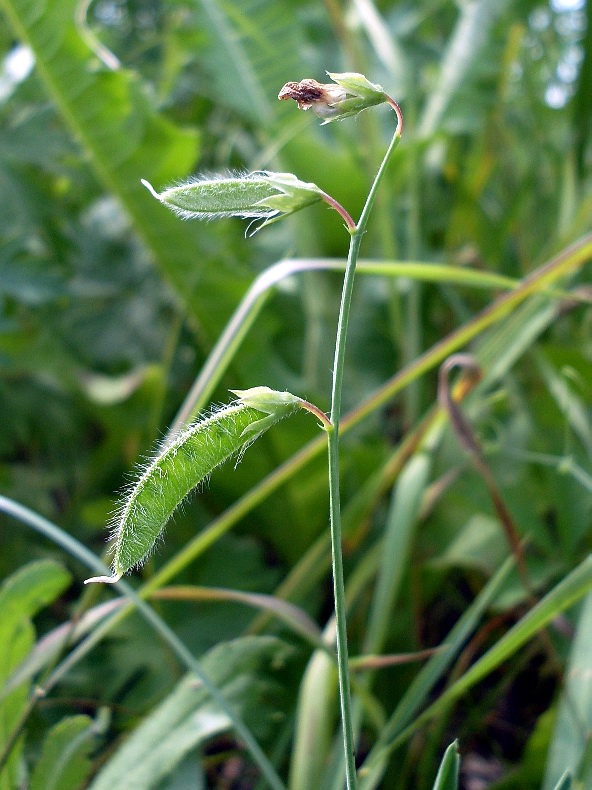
[(447, 778), (22, 595), (187, 717), (124, 139), (574, 719), (12, 706), (65, 757), (478, 545), (29, 590)]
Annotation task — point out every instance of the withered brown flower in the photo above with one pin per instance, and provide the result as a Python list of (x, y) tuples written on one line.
[(348, 94), (310, 93)]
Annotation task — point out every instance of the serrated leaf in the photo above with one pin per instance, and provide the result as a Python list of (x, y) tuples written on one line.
[(64, 763)]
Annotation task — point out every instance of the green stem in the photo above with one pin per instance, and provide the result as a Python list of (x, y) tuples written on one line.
[(335, 517), (333, 451)]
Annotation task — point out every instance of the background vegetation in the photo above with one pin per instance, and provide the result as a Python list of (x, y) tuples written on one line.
[(110, 307)]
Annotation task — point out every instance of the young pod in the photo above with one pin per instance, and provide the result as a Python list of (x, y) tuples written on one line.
[(181, 465), (260, 195)]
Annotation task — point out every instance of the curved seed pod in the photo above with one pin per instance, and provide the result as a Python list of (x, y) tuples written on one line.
[(177, 468)]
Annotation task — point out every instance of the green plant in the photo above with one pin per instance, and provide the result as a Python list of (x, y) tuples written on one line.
[(192, 455), (477, 243)]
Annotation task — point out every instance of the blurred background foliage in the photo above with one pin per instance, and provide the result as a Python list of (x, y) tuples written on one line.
[(109, 307)]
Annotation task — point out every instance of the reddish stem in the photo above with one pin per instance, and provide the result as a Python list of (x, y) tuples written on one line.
[(397, 109), (351, 225)]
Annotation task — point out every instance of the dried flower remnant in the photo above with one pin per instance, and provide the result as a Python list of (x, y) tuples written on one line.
[(310, 93), (348, 94)]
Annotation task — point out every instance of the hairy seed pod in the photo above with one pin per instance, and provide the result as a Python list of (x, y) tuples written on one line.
[(260, 195), (177, 468)]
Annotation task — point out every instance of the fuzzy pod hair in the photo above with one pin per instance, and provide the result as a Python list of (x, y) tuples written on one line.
[(177, 468), (259, 195)]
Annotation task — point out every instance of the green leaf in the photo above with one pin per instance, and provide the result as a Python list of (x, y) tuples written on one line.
[(402, 520), (574, 719), (65, 757), (447, 778), (22, 595), (187, 718), (470, 35), (124, 139), (29, 590), (418, 691), (565, 782), (477, 545), (315, 722), (251, 48), (12, 706), (565, 594)]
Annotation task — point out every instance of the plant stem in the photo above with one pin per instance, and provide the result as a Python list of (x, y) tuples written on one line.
[(357, 233)]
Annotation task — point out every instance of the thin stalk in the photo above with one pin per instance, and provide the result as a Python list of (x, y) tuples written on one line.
[(333, 452)]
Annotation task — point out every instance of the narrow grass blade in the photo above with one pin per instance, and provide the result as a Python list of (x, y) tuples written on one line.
[(187, 717), (564, 783), (402, 519), (571, 737), (447, 778), (565, 594), (294, 617), (419, 690), (315, 723)]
